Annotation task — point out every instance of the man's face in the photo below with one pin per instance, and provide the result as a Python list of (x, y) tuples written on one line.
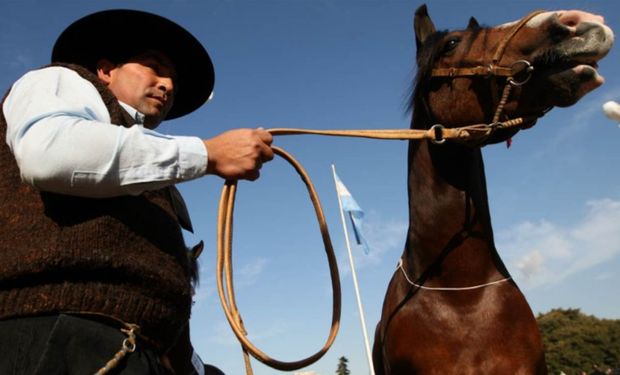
[(145, 82)]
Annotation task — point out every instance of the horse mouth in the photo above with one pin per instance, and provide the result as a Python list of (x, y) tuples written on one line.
[(572, 65), (585, 72), (569, 77), (553, 62)]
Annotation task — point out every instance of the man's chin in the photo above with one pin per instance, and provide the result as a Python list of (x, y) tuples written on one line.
[(151, 122), (154, 117)]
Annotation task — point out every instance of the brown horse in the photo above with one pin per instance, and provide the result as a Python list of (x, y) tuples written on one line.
[(451, 307)]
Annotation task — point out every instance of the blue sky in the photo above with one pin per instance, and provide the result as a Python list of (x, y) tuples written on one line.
[(554, 195)]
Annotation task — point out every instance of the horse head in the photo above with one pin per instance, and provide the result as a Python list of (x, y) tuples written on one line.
[(548, 58)]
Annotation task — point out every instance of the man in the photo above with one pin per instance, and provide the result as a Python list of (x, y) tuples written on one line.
[(91, 248)]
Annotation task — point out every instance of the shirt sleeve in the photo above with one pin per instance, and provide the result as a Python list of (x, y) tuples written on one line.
[(59, 130)]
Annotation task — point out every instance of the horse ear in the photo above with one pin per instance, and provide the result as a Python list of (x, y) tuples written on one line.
[(473, 23), (422, 25)]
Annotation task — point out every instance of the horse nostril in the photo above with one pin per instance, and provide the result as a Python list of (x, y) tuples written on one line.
[(572, 18)]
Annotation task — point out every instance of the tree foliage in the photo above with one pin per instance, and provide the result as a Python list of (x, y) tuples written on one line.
[(342, 366), (576, 342)]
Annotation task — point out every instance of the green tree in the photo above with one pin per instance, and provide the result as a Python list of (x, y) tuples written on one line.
[(342, 366), (576, 342)]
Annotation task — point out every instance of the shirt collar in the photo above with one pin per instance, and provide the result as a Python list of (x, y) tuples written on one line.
[(137, 116)]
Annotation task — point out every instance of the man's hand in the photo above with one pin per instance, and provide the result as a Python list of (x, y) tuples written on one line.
[(239, 154)]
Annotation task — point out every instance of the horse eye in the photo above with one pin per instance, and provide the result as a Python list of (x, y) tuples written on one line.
[(451, 45)]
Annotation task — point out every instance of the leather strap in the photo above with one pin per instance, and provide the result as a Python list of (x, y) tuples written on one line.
[(225, 280), (472, 135), (479, 70)]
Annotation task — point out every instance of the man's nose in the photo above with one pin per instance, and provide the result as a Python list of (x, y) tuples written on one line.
[(166, 85)]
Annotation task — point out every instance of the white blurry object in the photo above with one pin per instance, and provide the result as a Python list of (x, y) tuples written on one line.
[(612, 110)]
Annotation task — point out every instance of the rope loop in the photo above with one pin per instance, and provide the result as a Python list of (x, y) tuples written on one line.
[(225, 280), (448, 289)]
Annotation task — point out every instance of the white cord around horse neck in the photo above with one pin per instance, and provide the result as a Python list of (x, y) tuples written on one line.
[(400, 265)]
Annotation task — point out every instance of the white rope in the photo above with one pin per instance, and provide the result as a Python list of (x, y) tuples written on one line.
[(400, 265)]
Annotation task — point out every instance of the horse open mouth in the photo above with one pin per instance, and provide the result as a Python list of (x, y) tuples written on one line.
[(586, 71), (581, 63), (571, 79)]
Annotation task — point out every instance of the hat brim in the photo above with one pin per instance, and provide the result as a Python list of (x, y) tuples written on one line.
[(129, 32)]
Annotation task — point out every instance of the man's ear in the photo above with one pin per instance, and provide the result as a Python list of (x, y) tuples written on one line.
[(104, 70)]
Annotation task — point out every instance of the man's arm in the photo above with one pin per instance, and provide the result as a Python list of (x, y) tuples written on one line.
[(60, 133)]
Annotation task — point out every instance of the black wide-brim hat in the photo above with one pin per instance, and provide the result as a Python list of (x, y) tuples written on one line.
[(123, 33)]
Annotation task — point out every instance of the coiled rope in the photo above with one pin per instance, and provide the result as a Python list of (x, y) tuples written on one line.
[(472, 134), (225, 279)]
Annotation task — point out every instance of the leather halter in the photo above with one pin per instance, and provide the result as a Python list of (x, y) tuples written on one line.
[(493, 68)]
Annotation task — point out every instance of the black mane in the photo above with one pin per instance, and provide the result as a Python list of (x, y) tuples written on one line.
[(426, 58)]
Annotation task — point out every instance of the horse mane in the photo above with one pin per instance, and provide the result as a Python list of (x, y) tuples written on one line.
[(426, 57)]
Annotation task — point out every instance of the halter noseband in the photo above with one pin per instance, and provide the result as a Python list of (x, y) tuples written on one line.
[(494, 69)]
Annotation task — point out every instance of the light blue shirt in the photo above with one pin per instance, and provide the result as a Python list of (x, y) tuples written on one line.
[(59, 130)]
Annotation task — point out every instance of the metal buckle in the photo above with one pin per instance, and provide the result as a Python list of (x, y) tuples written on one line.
[(438, 131)]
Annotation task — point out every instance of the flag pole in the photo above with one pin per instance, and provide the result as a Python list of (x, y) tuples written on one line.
[(357, 292)]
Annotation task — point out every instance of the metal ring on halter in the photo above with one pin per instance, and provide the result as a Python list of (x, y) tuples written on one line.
[(129, 346), (438, 130), (528, 70), (489, 71)]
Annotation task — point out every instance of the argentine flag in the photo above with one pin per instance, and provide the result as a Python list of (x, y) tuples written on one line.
[(356, 214)]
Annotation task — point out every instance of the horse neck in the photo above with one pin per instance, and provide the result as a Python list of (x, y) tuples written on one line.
[(450, 232)]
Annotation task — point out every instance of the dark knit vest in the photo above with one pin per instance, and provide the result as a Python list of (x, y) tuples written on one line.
[(122, 257)]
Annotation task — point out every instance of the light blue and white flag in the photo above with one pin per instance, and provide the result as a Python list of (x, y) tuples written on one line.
[(355, 212)]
